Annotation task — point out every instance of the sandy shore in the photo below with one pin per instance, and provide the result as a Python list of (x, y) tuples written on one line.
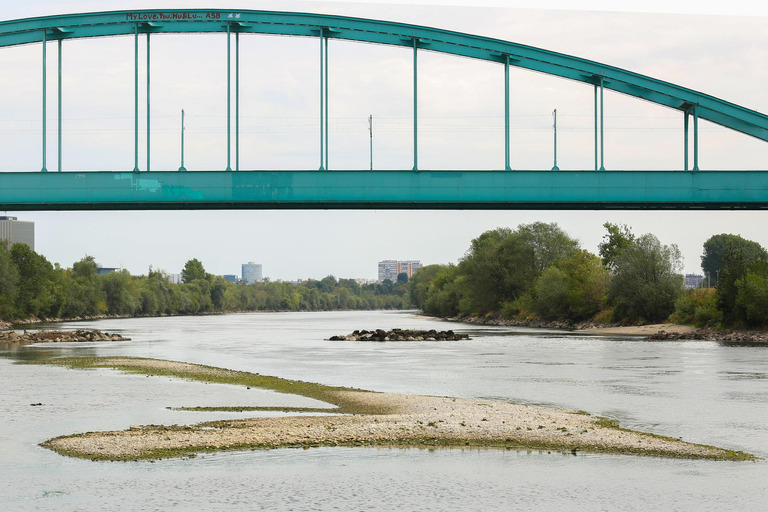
[(400, 419), (638, 330)]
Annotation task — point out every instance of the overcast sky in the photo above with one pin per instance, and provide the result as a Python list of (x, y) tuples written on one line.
[(714, 47)]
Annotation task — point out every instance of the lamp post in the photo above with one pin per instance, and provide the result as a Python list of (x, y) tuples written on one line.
[(555, 167), (182, 168)]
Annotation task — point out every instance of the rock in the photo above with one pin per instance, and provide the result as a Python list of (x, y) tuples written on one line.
[(400, 335)]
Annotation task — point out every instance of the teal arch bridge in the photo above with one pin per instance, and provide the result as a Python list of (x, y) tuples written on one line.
[(413, 188)]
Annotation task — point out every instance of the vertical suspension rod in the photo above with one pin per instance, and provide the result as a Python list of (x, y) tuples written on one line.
[(322, 102), (326, 104), (59, 105), (506, 113), (595, 126), (136, 97), (370, 136), (229, 101), (415, 106), (237, 101), (602, 131), (695, 138), (45, 43), (148, 110), (685, 139)]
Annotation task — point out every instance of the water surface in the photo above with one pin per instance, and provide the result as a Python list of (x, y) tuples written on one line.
[(704, 392)]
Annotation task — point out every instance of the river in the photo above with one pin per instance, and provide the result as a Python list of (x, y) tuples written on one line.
[(704, 392)]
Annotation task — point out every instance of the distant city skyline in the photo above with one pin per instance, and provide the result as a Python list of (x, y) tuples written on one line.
[(705, 49)]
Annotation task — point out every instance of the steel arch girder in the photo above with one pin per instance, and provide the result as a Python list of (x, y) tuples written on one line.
[(114, 23)]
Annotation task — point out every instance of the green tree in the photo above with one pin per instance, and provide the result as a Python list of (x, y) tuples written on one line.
[(734, 268), (573, 289), (193, 270), (40, 292), (618, 238), (123, 295), (84, 296), (420, 283), (548, 242), (752, 296), (646, 281), (717, 247), (9, 277), (444, 293)]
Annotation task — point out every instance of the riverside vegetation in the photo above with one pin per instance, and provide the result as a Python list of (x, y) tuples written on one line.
[(534, 275), (33, 288), (538, 274)]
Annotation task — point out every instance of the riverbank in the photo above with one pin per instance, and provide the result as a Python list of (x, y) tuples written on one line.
[(661, 331), (364, 418)]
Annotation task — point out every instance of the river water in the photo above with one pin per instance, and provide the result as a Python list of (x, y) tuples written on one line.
[(703, 392)]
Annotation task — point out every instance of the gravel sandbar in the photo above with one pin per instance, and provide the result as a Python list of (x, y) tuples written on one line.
[(401, 419)]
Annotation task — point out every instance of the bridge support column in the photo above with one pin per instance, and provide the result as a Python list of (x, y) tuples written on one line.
[(45, 65)]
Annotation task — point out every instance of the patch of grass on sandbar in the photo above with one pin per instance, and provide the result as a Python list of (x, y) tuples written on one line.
[(334, 395)]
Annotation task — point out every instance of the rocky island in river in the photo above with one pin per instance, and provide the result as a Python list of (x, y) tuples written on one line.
[(400, 335)]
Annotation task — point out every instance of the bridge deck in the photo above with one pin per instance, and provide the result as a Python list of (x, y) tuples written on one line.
[(384, 190)]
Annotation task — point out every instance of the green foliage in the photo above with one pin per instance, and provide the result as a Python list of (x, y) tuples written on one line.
[(501, 265), (618, 238), (739, 256), (9, 277), (573, 289), (193, 270), (443, 294), (31, 287), (718, 248), (697, 307), (646, 282), (752, 295)]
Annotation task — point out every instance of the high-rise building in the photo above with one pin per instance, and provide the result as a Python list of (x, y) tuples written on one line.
[(390, 269), (693, 281), (17, 231), (252, 272)]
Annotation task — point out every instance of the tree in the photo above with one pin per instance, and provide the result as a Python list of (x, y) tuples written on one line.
[(9, 277), (193, 270), (573, 289), (37, 289), (618, 238), (646, 281), (752, 296), (548, 242), (718, 246), (402, 278)]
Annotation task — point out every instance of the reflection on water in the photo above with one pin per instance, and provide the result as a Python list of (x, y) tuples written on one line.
[(701, 391)]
